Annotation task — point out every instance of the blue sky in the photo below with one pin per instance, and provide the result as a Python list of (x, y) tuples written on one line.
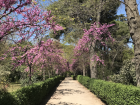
[(121, 10)]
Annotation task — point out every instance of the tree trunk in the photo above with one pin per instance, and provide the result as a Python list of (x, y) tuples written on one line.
[(49, 73), (43, 75), (84, 70), (30, 75), (53, 73), (134, 27), (83, 65), (104, 57), (113, 60), (93, 70)]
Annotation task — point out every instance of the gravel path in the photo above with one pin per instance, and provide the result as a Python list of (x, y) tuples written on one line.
[(71, 92)]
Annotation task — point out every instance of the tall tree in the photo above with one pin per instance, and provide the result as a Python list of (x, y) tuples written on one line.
[(114, 54), (76, 15), (133, 19), (99, 9), (83, 13)]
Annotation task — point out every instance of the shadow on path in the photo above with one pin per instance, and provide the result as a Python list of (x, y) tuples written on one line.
[(47, 97), (60, 92), (64, 103), (70, 92)]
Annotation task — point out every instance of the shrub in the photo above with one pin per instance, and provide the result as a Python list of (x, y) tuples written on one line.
[(84, 80), (78, 77), (25, 81), (126, 75), (4, 80)]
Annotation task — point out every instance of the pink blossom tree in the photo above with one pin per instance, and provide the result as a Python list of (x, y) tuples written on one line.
[(34, 21), (42, 55), (81, 58), (50, 57), (91, 36)]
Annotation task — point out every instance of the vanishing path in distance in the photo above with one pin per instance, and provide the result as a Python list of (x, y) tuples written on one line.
[(71, 92)]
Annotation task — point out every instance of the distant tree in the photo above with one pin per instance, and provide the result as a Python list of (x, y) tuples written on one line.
[(77, 15)]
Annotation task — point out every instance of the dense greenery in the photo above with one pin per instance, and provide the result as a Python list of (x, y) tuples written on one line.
[(126, 75), (76, 15), (31, 95), (111, 93)]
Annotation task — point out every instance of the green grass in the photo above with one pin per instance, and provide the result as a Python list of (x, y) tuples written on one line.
[(13, 87)]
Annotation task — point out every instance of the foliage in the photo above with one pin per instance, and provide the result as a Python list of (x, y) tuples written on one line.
[(30, 95), (73, 77), (76, 15), (13, 87), (115, 53), (16, 73), (44, 54), (25, 80), (33, 20), (90, 37), (126, 75), (84, 80), (3, 77), (68, 52)]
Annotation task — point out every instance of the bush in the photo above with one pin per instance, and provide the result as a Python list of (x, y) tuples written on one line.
[(16, 73), (30, 95), (40, 77), (25, 81), (126, 75), (78, 77), (4, 80), (73, 77), (84, 80)]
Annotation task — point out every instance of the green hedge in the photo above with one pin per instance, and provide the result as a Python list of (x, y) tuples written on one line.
[(30, 95), (78, 77), (112, 93), (73, 77), (84, 80)]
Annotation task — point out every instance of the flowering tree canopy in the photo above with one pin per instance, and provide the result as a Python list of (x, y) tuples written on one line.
[(34, 21)]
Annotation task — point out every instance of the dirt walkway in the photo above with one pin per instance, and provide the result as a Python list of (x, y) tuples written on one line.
[(71, 92)]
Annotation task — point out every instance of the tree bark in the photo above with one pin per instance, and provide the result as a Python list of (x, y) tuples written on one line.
[(83, 65), (93, 69), (134, 27), (84, 70), (43, 75), (30, 75), (53, 70), (49, 73), (104, 57)]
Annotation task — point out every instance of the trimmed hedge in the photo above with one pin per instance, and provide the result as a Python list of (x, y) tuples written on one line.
[(73, 77), (30, 95), (78, 77), (84, 80), (112, 93)]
